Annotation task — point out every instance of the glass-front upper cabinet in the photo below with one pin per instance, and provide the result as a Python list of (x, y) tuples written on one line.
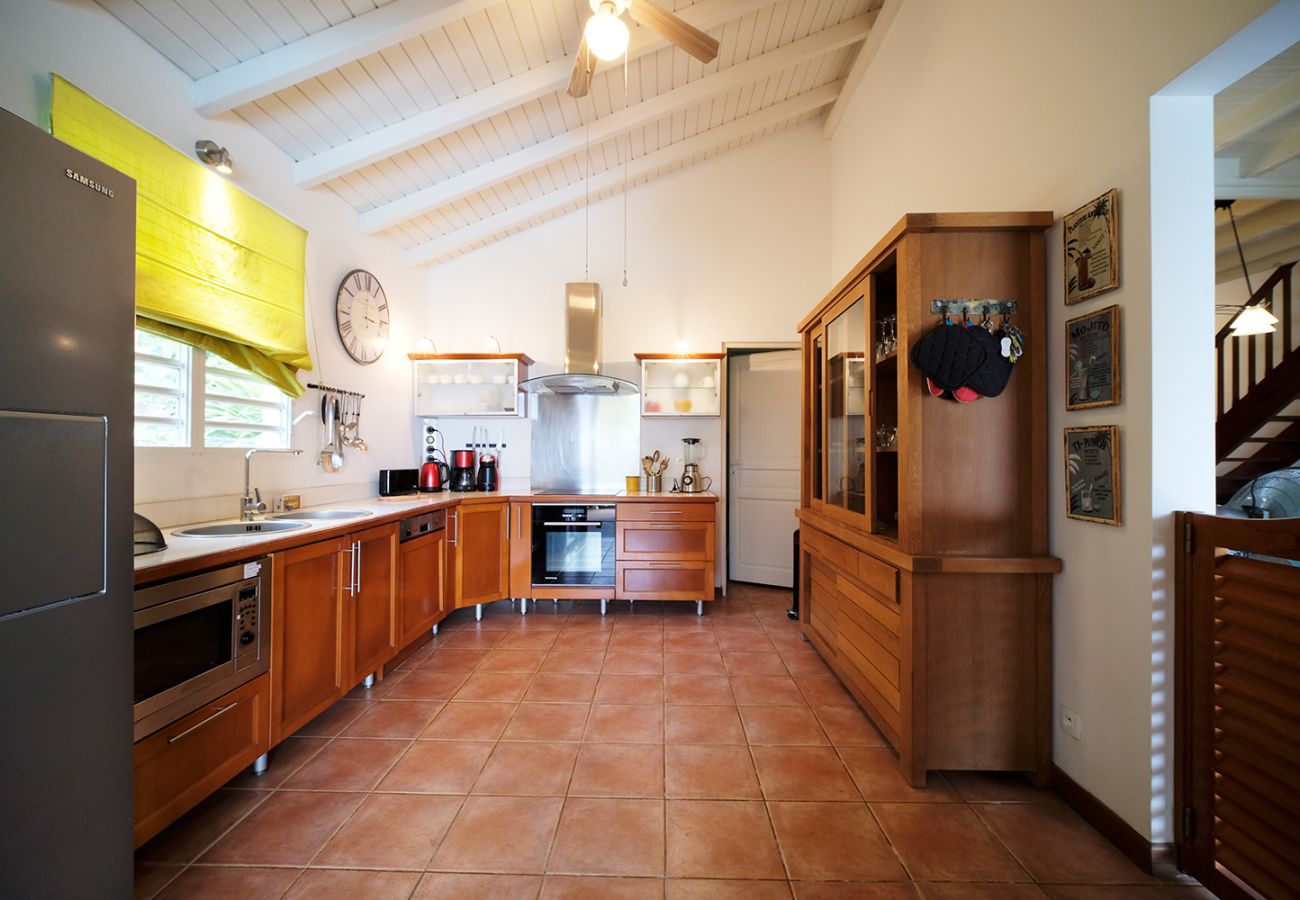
[(482, 384), (681, 385), (847, 478)]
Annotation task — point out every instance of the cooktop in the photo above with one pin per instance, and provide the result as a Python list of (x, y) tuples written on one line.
[(576, 492)]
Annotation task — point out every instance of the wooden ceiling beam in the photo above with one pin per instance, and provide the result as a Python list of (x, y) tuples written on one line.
[(617, 123), (884, 16), (1280, 216), (1265, 159), (1274, 104), (506, 94), (680, 152), (318, 53)]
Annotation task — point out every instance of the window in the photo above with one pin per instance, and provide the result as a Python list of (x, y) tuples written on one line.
[(189, 398)]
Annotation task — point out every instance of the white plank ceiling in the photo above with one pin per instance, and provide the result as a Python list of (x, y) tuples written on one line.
[(445, 123)]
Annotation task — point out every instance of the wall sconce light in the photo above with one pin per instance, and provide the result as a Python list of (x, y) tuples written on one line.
[(214, 156), (425, 345), (682, 347), (493, 344)]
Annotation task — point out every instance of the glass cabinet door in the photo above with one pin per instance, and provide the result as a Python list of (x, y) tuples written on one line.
[(467, 387), (847, 479)]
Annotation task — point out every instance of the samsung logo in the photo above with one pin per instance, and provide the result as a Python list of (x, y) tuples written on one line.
[(88, 182)]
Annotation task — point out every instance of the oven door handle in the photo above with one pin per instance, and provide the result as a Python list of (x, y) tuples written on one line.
[(221, 712), (573, 524)]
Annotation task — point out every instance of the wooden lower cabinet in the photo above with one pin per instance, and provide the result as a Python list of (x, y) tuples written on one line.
[(478, 546), (521, 549), (664, 551), (421, 597), (332, 622), (182, 764)]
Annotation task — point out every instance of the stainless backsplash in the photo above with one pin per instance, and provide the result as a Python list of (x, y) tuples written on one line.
[(585, 442)]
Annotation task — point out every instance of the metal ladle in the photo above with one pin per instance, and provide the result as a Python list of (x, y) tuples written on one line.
[(331, 457)]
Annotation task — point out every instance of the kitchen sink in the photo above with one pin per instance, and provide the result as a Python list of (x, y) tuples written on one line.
[(236, 529), (325, 514)]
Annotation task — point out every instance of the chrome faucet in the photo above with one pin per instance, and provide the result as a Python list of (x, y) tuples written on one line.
[(252, 506)]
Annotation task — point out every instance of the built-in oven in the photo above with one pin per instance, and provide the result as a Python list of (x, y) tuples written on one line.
[(198, 638), (573, 543)]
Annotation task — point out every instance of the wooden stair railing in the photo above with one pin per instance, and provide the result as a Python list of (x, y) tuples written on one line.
[(1251, 395)]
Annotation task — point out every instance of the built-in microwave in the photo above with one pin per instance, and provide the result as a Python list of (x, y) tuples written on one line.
[(573, 544), (198, 638)]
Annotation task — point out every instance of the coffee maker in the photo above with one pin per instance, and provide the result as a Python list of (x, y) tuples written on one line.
[(462, 470), (692, 482)]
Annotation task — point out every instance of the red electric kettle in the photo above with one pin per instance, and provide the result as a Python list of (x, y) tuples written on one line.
[(434, 477)]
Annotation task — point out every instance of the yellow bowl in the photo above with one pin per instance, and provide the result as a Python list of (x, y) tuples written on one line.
[(682, 404)]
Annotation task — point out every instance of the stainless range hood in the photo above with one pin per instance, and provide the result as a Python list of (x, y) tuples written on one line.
[(582, 314)]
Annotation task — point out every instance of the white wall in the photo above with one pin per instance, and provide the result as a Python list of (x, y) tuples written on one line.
[(83, 43), (734, 249), (1020, 104)]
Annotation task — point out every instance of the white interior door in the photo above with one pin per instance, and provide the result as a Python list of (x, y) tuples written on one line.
[(762, 465)]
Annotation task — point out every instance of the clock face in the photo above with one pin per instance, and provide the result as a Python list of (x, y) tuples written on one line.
[(361, 312)]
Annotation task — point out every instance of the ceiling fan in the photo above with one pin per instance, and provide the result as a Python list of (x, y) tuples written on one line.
[(605, 36)]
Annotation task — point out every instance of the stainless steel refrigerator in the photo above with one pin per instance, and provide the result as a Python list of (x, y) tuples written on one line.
[(67, 307)]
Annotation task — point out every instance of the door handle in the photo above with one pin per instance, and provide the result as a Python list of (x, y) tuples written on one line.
[(351, 551), (455, 526), (356, 561), (221, 712)]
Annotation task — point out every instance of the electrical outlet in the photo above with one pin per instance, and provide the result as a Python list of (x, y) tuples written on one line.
[(291, 502), (1071, 723)]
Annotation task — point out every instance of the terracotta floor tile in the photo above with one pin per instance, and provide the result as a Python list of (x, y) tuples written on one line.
[(438, 767), (394, 719), (766, 690), (1107, 892), (453, 660), (876, 772), (703, 725), (833, 842), (533, 639), (694, 663), (562, 688), (848, 726), (512, 661), (379, 689), (601, 887), (352, 884), (803, 773), (609, 837), (743, 641), (151, 878), (633, 662), (528, 769), (781, 725), (945, 842), (619, 724), (426, 684), (630, 689), (638, 641), (698, 772), (455, 886), (286, 830), (619, 770), (348, 764), (825, 690), (579, 641), (499, 686), (472, 640), (333, 720), (980, 892), (682, 641), (469, 721), (500, 834), (721, 839), (698, 690), (574, 662), (391, 831), (765, 662), (548, 722), (803, 663), (1055, 845), (224, 882), (728, 889), (199, 828), (850, 890), (285, 759), (998, 787)]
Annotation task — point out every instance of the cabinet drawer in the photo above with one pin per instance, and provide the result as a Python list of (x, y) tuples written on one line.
[(886, 614), (879, 576), (185, 762), (665, 512), (872, 655), (836, 554), (676, 541), (664, 581)]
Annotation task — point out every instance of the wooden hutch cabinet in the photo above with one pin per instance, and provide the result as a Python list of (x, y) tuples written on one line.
[(925, 579)]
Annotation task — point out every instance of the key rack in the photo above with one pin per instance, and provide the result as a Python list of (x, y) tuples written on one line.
[(984, 308)]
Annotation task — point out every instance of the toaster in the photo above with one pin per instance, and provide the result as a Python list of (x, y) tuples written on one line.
[(393, 482)]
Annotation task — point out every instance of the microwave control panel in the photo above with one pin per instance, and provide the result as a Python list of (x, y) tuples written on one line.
[(246, 624)]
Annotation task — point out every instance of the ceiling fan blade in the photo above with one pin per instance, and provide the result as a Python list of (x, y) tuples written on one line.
[(583, 62), (688, 37)]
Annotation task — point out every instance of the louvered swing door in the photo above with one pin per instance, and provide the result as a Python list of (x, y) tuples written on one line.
[(1241, 746)]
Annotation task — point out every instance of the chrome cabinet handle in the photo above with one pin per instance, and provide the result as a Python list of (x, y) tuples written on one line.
[(665, 512), (356, 561), (221, 712), (455, 522), (655, 565), (351, 586)]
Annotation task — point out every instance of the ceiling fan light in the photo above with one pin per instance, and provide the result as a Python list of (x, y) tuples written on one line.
[(606, 35), (1253, 320)]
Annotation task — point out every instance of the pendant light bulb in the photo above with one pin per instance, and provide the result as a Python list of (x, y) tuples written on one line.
[(1253, 320), (606, 34)]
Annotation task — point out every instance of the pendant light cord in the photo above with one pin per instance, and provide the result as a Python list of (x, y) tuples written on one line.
[(626, 157), (1240, 254), (586, 204)]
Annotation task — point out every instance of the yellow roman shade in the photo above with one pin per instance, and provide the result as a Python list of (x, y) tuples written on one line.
[(214, 268)]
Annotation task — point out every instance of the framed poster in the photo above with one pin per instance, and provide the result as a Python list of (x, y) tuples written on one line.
[(1092, 360), (1092, 248), (1092, 474)]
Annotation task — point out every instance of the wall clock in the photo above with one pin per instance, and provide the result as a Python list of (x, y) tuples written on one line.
[(361, 316)]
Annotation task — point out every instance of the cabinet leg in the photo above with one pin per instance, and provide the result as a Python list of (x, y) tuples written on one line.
[(523, 606), (699, 607), (603, 604), (435, 630), (369, 681), (259, 765), (478, 612)]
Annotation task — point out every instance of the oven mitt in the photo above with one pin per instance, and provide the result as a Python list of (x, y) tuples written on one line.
[(990, 379), (949, 355)]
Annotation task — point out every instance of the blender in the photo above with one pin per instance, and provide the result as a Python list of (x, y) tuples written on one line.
[(692, 482)]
